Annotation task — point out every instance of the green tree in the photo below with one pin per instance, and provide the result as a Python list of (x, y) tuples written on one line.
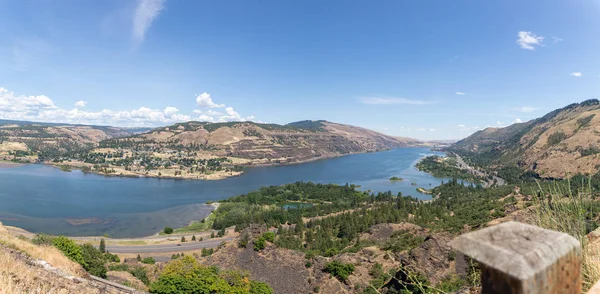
[(193, 237), (260, 243), (260, 288), (102, 246), (168, 230), (186, 275), (339, 270), (69, 249), (138, 258), (95, 263), (244, 240), (148, 260), (269, 236), (182, 239)]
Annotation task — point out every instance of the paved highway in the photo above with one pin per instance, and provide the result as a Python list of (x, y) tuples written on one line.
[(161, 248), (462, 164)]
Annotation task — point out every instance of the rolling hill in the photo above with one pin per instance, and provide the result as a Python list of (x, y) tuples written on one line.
[(564, 142), (193, 150)]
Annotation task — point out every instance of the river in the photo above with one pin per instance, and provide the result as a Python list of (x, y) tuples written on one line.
[(41, 198)]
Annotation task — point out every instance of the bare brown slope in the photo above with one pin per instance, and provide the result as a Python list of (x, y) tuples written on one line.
[(57, 138), (268, 143), (562, 143)]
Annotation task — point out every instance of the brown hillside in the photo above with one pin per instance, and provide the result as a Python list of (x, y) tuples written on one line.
[(563, 142)]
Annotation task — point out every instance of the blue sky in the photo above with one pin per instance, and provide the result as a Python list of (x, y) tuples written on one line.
[(423, 69)]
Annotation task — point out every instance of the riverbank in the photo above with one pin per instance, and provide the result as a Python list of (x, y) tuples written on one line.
[(156, 238), (132, 208), (114, 171), (9, 164), (117, 171)]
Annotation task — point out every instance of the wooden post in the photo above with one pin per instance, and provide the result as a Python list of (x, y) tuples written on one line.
[(521, 258)]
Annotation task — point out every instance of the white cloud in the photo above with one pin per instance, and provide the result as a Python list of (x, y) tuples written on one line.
[(170, 110), (556, 40), (24, 104), (527, 40), (145, 13), (462, 126), (42, 109), (576, 74), (204, 100), (80, 103), (206, 118), (391, 100), (460, 93), (518, 120), (525, 109)]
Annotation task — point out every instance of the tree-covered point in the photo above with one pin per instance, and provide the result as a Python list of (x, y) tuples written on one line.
[(445, 167), (261, 207)]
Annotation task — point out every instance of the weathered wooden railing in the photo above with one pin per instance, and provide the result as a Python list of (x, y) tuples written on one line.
[(521, 258)]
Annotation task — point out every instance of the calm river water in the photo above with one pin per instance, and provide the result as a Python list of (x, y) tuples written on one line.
[(41, 198)]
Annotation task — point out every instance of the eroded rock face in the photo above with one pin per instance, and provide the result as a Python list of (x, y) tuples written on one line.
[(283, 269), (433, 258)]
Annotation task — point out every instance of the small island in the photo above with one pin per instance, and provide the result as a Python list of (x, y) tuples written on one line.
[(396, 179), (423, 191)]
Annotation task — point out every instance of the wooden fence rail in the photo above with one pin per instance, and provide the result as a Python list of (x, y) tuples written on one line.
[(520, 258)]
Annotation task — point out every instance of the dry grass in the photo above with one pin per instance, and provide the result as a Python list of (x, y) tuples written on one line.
[(49, 254), (17, 277), (562, 210)]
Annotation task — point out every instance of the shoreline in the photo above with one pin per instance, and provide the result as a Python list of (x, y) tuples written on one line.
[(10, 164), (152, 237), (208, 178)]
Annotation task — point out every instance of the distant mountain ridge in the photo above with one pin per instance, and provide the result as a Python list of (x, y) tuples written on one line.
[(189, 150), (297, 141), (563, 142)]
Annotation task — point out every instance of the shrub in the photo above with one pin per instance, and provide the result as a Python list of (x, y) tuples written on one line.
[(111, 257), (244, 240), (269, 236), (339, 270), (260, 243), (556, 138), (148, 260), (260, 288), (168, 230), (95, 263), (140, 273), (194, 238), (207, 252), (69, 249), (43, 240), (186, 275), (182, 239), (138, 258), (121, 267)]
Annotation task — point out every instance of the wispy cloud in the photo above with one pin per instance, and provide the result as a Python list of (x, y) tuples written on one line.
[(27, 52), (525, 109), (460, 93), (80, 103), (576, 74), (144, 14), (391, 101), (556, 40), (527, 40)]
